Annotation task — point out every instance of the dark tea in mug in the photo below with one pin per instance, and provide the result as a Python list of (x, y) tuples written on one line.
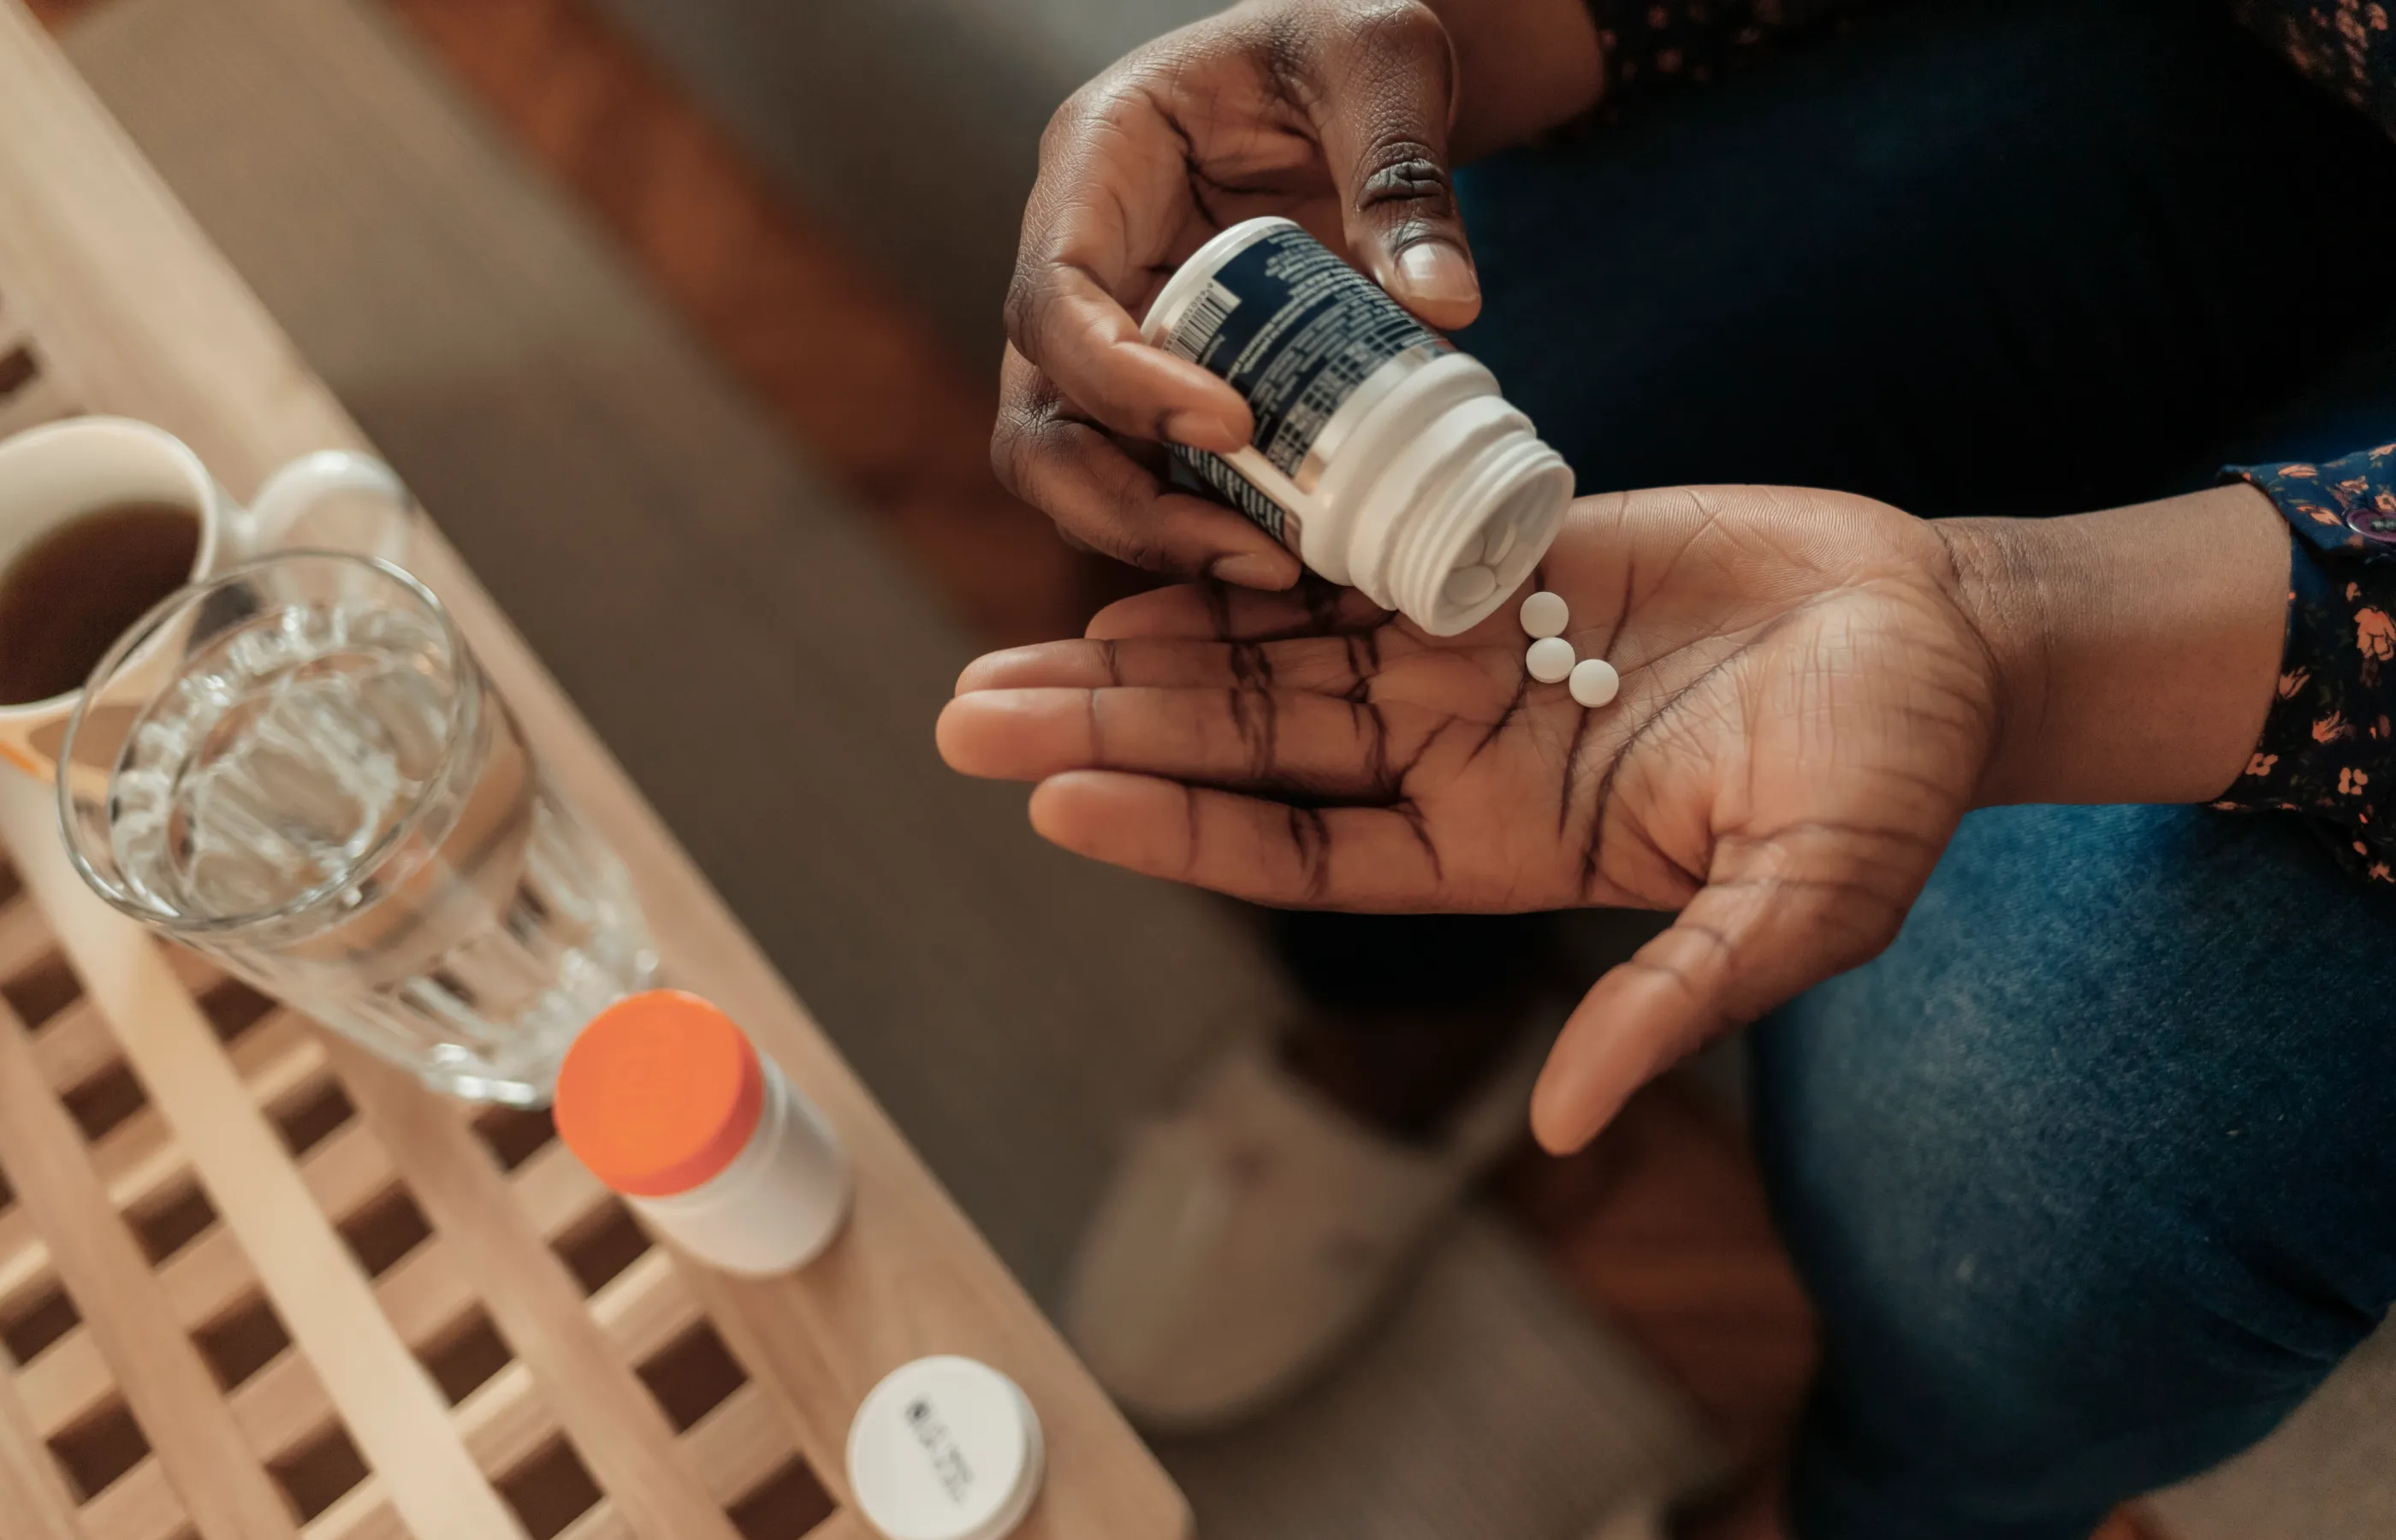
[(77, 587)]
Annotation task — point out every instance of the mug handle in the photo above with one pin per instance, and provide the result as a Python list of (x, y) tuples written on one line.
[(307, 484)]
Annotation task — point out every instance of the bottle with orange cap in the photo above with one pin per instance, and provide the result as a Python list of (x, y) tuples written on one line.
[(667, 1101)]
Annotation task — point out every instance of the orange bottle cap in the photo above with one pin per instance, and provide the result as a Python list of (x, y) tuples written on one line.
[(659, 1092)]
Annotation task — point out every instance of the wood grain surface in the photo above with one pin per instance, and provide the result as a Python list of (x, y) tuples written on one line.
[(132, 310)]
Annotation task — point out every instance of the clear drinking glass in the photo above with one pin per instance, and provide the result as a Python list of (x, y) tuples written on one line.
[(299, 769)]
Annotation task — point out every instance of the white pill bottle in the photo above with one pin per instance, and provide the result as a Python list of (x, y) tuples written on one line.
[(1383, 456), (665, 1099)]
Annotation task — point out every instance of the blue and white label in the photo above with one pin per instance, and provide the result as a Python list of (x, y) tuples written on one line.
[(1295, 331)]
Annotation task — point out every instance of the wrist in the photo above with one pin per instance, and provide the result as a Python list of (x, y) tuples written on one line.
[(2134, 651)]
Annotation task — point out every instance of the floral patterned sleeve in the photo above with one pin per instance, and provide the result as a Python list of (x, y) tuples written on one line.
[(2346, 46), (1648, 43), (2328, 751)]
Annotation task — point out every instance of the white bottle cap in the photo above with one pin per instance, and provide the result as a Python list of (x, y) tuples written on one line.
[(945, 1449)]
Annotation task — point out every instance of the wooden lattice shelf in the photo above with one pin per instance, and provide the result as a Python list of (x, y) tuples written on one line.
[(255, 1283), (77, 1126)]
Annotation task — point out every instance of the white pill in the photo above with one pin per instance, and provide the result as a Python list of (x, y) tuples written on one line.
[(1594, 683), (1545, 614), (1469, 585), (1497, 538), (1550, 659)]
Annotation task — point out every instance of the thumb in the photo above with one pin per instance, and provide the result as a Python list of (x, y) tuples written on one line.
[(1777, 917), (1386, 95)]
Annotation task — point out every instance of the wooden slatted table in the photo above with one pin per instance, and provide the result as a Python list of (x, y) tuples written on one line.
[(254, 1283)]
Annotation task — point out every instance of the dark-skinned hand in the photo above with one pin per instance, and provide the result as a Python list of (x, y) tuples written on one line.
[(1807, 710), (1333, 113)]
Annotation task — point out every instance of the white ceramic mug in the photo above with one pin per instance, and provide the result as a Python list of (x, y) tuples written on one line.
[(58, 472)]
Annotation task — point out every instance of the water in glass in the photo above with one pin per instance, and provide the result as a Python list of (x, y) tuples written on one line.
[(333, 773)]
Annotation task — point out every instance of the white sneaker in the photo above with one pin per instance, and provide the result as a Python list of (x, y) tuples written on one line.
[(1641, 1519), (1249, 1237)]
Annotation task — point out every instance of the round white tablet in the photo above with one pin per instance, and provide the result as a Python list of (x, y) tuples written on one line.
[(1469, 585), (1550, 659), (945, 1449), (1545, 615), (1594, 683), (1497, 538)]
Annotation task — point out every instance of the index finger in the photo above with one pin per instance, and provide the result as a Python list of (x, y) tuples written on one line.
[(1213, 611), (1356, 858), (1100, 226), (1054, 458)]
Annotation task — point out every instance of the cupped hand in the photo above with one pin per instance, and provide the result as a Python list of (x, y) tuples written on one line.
[(1333, 113), (1807, 709)]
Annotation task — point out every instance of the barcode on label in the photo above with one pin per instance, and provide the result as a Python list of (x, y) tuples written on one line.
[(1206, 318)]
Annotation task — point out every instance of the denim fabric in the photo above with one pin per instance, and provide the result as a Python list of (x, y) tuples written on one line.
[(2094, 1174)]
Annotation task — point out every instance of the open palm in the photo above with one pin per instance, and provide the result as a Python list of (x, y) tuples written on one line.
[(1805, 714)]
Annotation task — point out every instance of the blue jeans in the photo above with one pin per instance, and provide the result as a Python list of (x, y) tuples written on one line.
[(2093, 1174)]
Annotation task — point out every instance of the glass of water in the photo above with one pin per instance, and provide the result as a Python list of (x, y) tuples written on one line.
[(299, 769)]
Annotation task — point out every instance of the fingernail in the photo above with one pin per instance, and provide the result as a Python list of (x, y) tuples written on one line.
[(1549, 1104), (1438, 273), (1254, 569), (1563, 1136), (1202, 430)]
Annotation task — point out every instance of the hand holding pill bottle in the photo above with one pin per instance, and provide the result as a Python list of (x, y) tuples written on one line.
[(1383, 456), (1343, 115)]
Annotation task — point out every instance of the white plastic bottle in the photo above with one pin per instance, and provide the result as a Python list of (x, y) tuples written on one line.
[(667, 1102), (946, 1449), (1383, 456)]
